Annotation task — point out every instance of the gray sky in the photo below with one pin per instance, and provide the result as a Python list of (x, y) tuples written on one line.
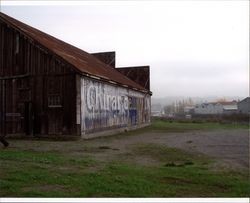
[(194, 48)]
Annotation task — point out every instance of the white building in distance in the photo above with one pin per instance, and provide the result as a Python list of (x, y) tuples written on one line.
[(214, 108)]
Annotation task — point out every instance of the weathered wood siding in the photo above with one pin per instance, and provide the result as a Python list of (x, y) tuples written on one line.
[(37, 88), (105, 107)]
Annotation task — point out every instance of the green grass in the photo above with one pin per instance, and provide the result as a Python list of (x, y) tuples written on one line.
[(175, 173), (175, 126), (43, 158), (36, 174), (170, 156), (180, 126)]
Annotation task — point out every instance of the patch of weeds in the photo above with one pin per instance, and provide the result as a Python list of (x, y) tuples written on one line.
[(176, 180), (104, 147), (178, 164), (170, 164), (85, 161), (115, 149), (170, 156), (91, 149), (188, 163)]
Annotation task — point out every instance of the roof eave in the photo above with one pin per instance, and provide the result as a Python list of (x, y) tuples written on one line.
[(93, 77)]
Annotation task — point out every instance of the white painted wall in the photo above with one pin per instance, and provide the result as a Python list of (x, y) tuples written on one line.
[(105, 106), (78, 99)]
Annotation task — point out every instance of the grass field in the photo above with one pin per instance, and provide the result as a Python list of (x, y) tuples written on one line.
[(193, 125), (58, 173)]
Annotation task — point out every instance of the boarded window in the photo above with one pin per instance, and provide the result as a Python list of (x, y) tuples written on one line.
[(54, 101), (23, 86), (54, 92)]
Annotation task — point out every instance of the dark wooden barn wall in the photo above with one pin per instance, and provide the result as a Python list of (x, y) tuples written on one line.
[(37, 89)]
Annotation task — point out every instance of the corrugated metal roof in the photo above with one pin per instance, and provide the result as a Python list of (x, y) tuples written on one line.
[(83, 62)]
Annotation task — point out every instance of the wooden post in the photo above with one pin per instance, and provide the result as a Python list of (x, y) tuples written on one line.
[(3, 119)]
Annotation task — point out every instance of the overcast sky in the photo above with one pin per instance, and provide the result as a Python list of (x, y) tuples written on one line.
[(194, 48)]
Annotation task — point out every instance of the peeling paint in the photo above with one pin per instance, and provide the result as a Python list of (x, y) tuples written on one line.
[(105, 106)]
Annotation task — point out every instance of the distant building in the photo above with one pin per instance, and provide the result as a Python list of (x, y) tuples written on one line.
[(230, 107), (208, 108), (214, 108), (156, 110), (189, 109), (244, 106)]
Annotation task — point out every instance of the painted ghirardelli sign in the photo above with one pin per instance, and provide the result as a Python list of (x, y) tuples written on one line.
[(105, 105), (100, 98)]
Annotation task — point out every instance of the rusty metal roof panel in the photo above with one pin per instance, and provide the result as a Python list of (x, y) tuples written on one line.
[(82, 61)]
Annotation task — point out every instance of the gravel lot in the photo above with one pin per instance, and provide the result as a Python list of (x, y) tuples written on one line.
[(229, 147)]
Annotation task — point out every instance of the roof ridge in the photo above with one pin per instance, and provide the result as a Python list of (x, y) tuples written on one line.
[(83, 61)]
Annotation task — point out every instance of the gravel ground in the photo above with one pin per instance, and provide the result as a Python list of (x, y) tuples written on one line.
[(229, 147)]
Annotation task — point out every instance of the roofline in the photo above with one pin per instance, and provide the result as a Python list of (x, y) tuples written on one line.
[(102, 52), (110, 82), (144, 66), (34, 40), (61, 58), (244, 99)]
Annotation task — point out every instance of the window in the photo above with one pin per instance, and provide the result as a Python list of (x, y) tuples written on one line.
[(54, 92), (54, 101)]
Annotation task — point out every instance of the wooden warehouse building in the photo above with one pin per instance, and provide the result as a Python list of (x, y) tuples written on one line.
[(49, 87)]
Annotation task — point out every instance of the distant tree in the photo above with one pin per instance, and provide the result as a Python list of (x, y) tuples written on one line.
[(190, 101), (178, 106)]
